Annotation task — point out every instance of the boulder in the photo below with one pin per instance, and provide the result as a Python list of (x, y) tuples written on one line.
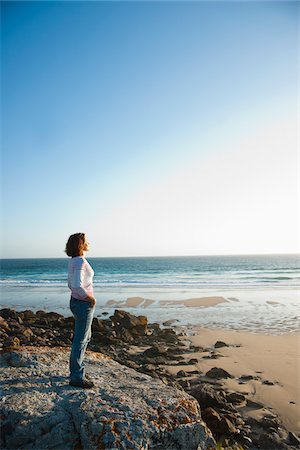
[(125, 409), (236, 398), (4, 325), (293, 439), (8, 313), (217, 372), (207, 396), (181, 374), (218, 424), (193, 361), (11, 341), (136, 325), (220, 344), (167, 323), (98, 325), (271, 440), (27, 315), (156, 350)]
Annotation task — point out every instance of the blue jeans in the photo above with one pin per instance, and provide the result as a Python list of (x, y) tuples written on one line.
[(83, 313)]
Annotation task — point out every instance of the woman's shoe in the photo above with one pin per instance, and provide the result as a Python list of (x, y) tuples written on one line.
[(85, 384)]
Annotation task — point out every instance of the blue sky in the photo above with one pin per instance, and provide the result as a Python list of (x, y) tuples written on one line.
[(138, 122)]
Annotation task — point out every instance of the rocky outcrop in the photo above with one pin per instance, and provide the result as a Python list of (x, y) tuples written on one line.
[(125, 409), (148, 349)]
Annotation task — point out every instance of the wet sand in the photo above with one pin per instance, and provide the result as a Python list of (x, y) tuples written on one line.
[(272, 361), (131, 302), (196, 302), (134, 302)]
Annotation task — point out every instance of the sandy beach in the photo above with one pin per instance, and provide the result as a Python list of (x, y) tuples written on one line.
[(265, 367)]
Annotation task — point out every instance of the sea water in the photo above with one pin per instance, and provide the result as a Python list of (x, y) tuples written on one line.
[(261, 292)]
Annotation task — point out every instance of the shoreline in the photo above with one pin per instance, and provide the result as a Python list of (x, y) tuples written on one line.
[(266, 367)]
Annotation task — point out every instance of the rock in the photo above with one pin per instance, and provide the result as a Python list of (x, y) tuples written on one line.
[(185, 384), (213, 355), (245, 440), (167, 323), (11, 341), (156, 350), (8, 313), (193, 361), (194, 372), (27, 333), (27, 315), (268, 383), (125, 409), (235, 398), (218, 425), (181, 374), (252, 404), (220, 344), (217, 372), (98, 325), (270, 441), (207, 396), (169, 336), (293, 439), (125, 335), (247, 377), (129, 321), (270, 422), (4, 325), (196, 348), (155, 360), (155, 326), (69, 322), (53, 316)]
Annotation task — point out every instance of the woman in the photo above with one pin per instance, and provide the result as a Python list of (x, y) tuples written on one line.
[(82, 304)]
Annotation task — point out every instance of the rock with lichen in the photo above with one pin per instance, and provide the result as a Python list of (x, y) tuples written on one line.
[(125, 409)]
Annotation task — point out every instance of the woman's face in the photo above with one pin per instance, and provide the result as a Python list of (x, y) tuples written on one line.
[(86, 244)]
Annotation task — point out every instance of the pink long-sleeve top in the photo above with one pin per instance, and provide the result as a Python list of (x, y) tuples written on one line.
[(80, 278)]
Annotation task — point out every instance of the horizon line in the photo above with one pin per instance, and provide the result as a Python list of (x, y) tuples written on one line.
[(162, 256)]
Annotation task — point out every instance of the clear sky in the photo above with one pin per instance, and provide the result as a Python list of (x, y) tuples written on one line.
[(158, 128)]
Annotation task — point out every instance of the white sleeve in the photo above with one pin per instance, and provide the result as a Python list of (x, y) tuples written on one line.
[(78, 281)]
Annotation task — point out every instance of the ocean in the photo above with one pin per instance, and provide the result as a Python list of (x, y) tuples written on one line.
[(261, 292)]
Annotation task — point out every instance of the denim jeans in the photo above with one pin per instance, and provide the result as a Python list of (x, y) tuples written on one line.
[(83, 313)]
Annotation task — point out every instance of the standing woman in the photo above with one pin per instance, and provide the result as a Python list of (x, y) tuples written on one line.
[(82, 304)]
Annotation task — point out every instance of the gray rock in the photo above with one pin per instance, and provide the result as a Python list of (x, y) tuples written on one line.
[(167, 323), (271, 441), (293, 439), (125, 409), (207, 396), (193, 361), (156, 350), (217, 372), (220, 344), (181, 373), (268, 383), (236, 398), (218, 424)]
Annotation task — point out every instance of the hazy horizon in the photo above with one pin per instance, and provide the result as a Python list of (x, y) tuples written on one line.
[(161, 256)]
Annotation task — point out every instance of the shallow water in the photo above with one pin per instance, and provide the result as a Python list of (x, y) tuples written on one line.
[(265, 310)]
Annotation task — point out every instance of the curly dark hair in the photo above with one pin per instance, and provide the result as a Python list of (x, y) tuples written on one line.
[(75, 244)]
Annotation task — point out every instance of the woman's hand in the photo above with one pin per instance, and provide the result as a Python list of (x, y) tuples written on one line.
[(92, 301)]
